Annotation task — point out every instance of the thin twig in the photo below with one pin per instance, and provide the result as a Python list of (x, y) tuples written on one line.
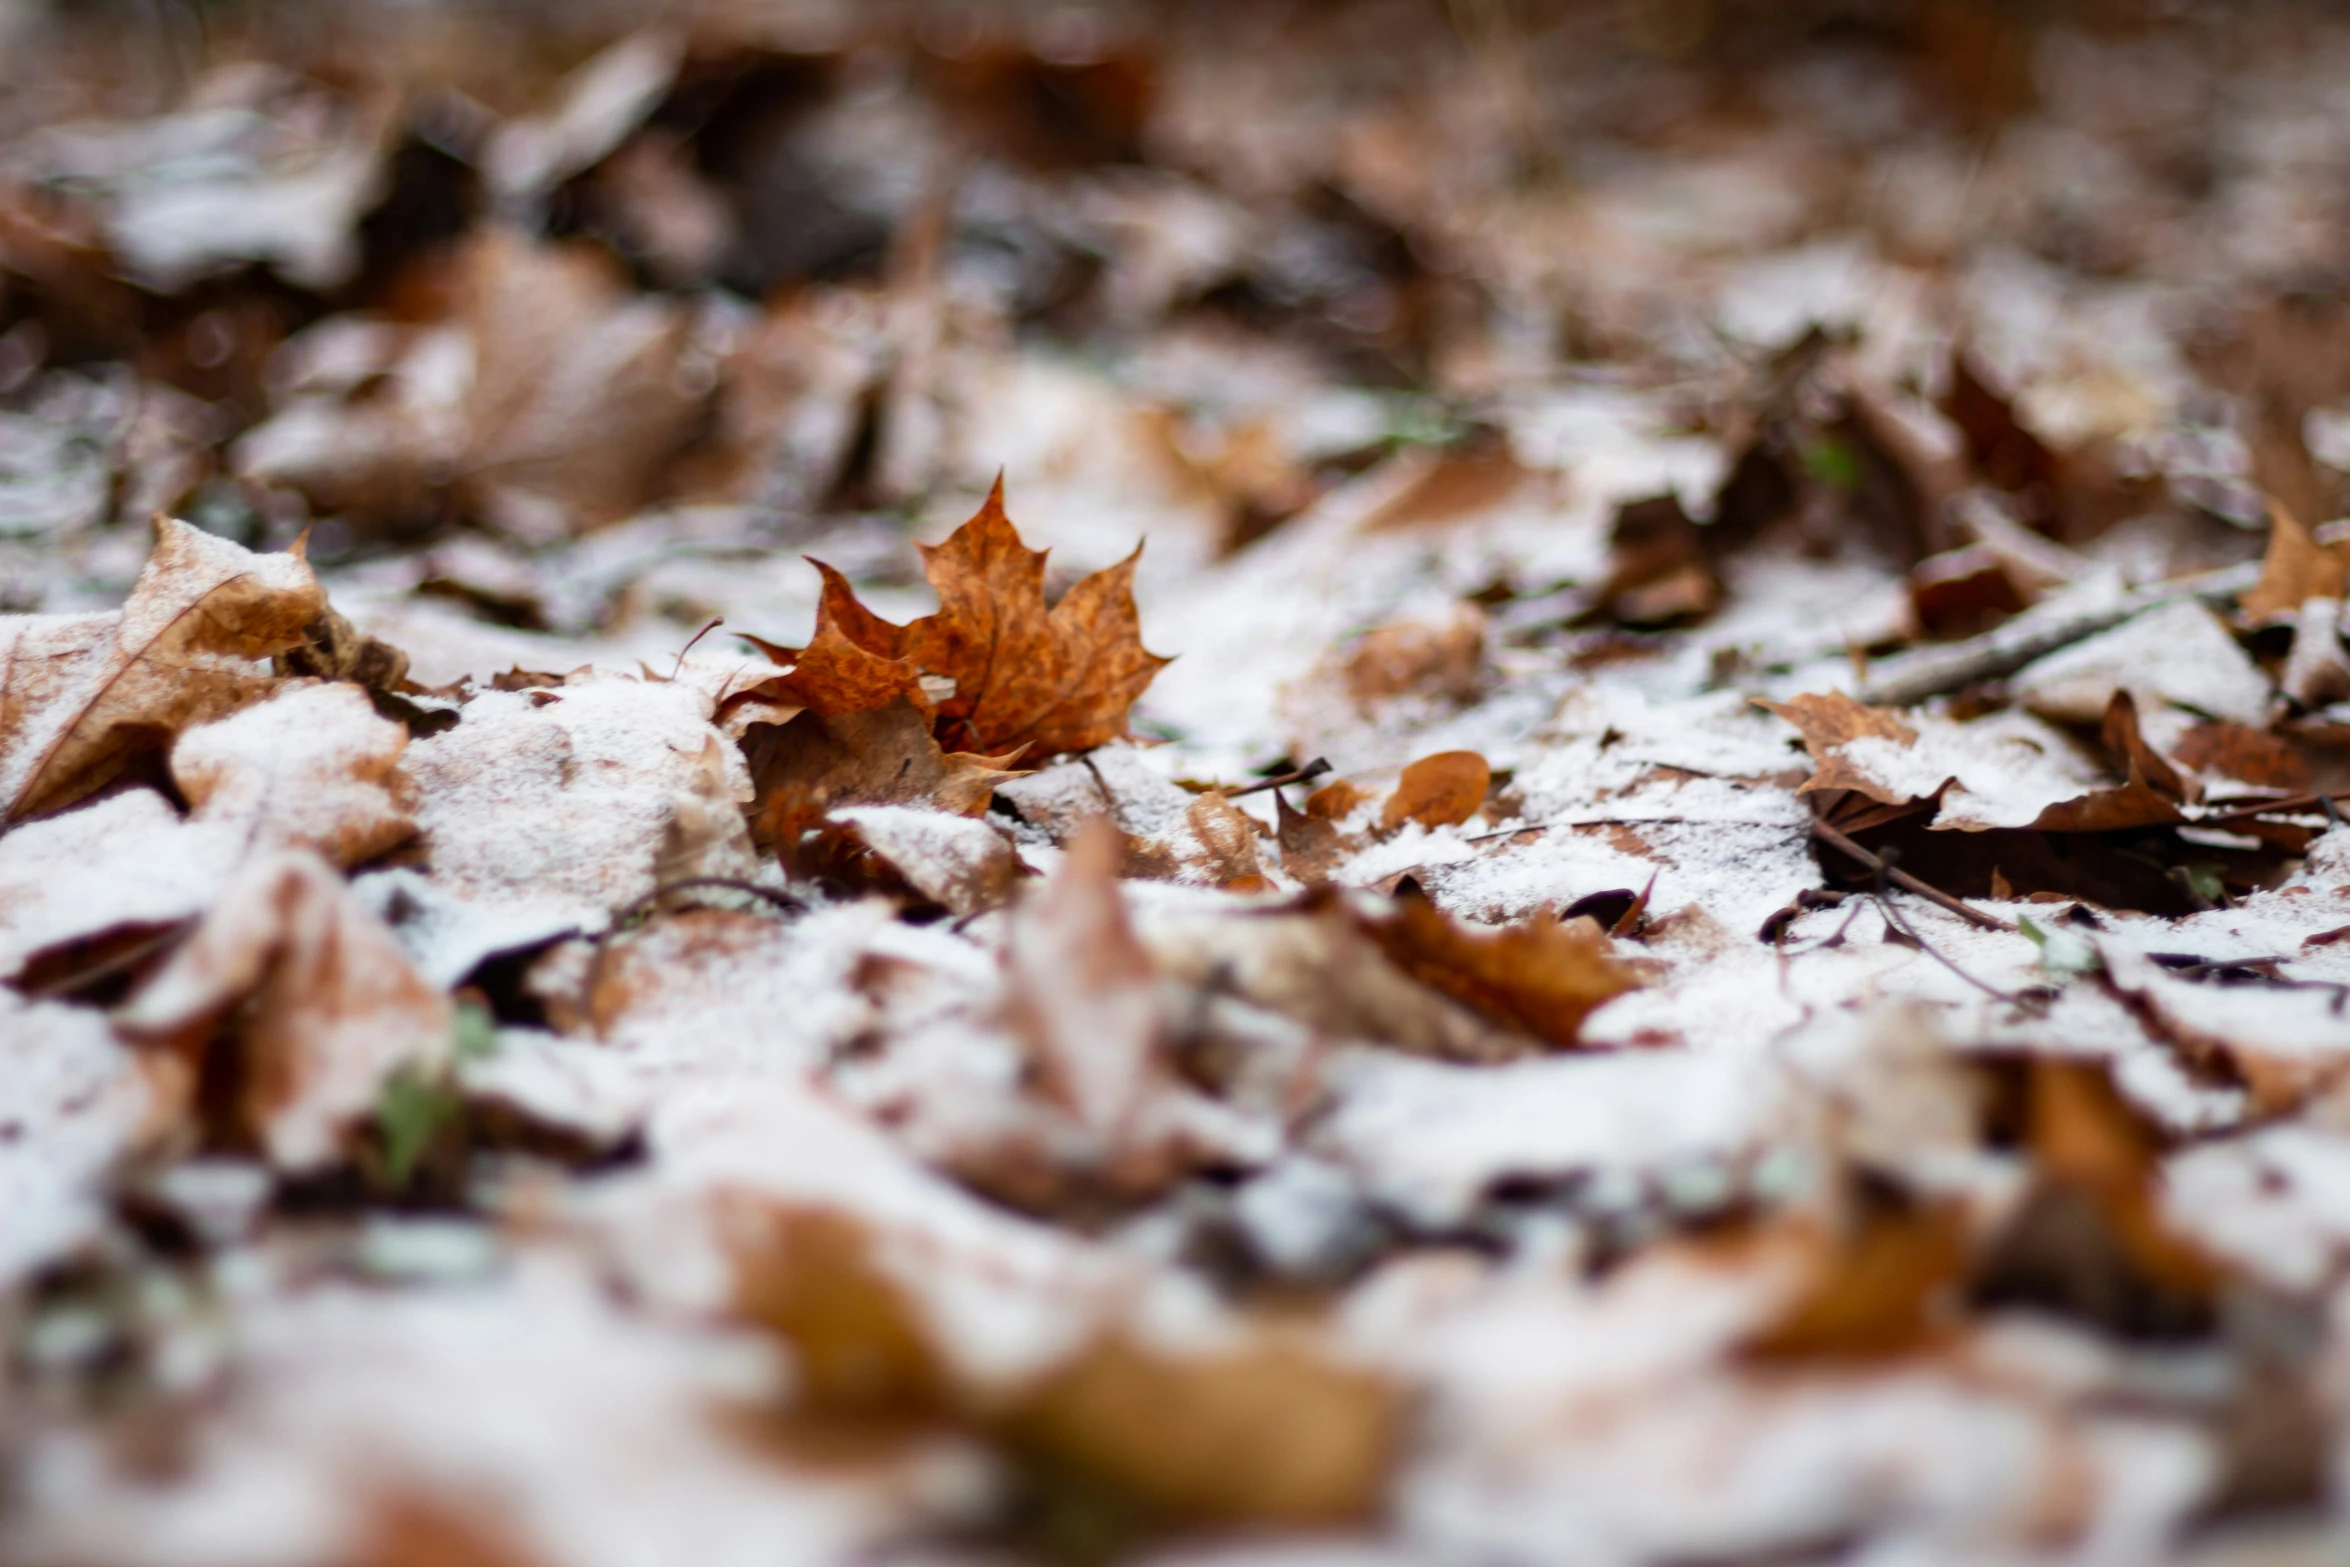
[(1893, 918), (1306, 774), (1934, 671), (679, 668), (1903, 879), (129, 958), (1593, 821)]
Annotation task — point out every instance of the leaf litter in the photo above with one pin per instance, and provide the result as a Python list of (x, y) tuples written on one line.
[(1688, 909)]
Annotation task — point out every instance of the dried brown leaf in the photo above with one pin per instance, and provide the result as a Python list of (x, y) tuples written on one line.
[(1830, 721), (1540, 978), (84, 696), (2296, 569), (1443, 790), (1876, 1289), (312, 999), (807, 767)]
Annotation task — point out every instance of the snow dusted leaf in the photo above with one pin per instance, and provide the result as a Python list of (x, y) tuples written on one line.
[(1443, 790), (1079, 991), (312, 767), (1831, 723), (311, 1000), (818, 762), (83, 696), (2177, 654), (1540, 978), (77, 1104), (966, 866), (578, 798)]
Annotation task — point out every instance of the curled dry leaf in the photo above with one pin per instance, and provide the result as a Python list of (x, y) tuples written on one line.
[(310, 997), (1540, 978), (313, 767), (1218, 848), (84, 696), (1443, 790), (1024, 677), (818, 762)]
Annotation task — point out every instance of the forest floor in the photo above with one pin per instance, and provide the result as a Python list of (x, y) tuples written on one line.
[(1560, 789)]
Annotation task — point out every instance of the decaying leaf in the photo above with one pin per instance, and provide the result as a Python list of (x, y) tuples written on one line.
[(1540, 978), (288, 1009), (1024, 677), (963, 865), (84, 696)]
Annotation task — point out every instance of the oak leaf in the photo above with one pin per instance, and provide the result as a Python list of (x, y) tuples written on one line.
[(84, 696), (1540, 978), (1024, 677)]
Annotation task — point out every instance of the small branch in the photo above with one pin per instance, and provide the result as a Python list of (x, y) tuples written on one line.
[(1936, 671), (1893, 917), (1904, 880), (1306, 774)]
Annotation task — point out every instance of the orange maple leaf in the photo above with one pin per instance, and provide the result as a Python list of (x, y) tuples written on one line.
[(1025, 675)]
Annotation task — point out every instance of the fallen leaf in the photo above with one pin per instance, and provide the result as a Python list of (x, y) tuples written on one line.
[(1024, 678), (312, 767), (1440, 658), (2295, 569), (2247, 755), (965, 866), (2001, 449), (1217, 847), (84, 696), (1266, 1432), (805, 768), (1881, 1287), (1443, 790), (297, 1003), (2149, 795), (1540, 977), (1829, 723), (1079, 992), (1310, 844)]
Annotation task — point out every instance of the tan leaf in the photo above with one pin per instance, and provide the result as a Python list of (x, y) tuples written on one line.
[(83, 696), (1443, 790), (2245, 754), (1079, 993), (1829, 721), (1267, 1431), (1876, 1289), (308, 993), (312, 767), (2296, 569), (1541, 977)]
